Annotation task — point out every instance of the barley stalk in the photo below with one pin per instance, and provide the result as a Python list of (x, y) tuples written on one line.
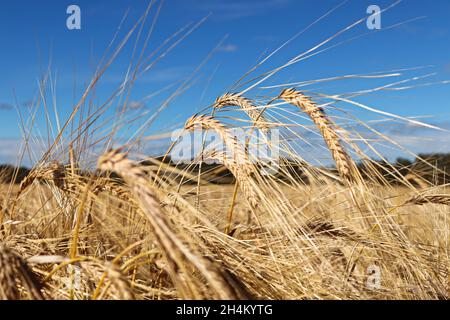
[(234, 99), (426, 199), (122, 284), (53, 172), (344, 163), (421, 182), (14, 269), (176, 253), (209, 123), (239, 164)]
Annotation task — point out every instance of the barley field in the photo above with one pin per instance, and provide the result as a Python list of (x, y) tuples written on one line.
[(97, 218)]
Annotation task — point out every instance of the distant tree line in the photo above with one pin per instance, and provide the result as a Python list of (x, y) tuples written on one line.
[(430, 168), (433, 168), (9, 173)]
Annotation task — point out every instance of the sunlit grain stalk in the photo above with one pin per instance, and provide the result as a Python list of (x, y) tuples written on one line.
[(14, 269), (120, 282), (72, 159), (239, 164), (259, 121), (421, 182), (427, 199), (54, 172), (234, 99), (78, 220), (344, 163), (326, 228), (176, 253)]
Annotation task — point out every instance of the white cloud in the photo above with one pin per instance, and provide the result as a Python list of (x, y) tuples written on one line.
[(447, 67), (225, 10), (6, 106), (136, 105), (228, 48), (153, 75), (12, 148)]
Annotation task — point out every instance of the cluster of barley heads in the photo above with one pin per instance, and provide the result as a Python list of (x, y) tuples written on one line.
[(130, 229)]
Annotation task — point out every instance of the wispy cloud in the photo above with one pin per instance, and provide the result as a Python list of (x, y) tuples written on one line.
[(403, 128), (166, 74), (135, 105), (12, 148), (6, 106), (431, 33), (447, 67), (412, 138), (224, 10), (228, 48), (28, 103), (157, 75)]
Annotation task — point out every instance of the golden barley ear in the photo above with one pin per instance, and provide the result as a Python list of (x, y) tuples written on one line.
[(234, 99), (236, 159), (178, 256), (26, 182), (344, 162), (14, 270), (418, 180), (243, 174), (122, 284), (318, 226), (426, 199), (53, 172)]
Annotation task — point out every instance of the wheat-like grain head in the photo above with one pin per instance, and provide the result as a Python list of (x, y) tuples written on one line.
[(176, 253), (234, 150), (122, 284), (415, 178), (234, 99), (239, 164), (344, 163), (243, 175), (14, 269), (205, 122), (443, 199), (54, 172)]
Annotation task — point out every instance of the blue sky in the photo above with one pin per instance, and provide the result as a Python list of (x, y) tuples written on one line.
[(33, 33)]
